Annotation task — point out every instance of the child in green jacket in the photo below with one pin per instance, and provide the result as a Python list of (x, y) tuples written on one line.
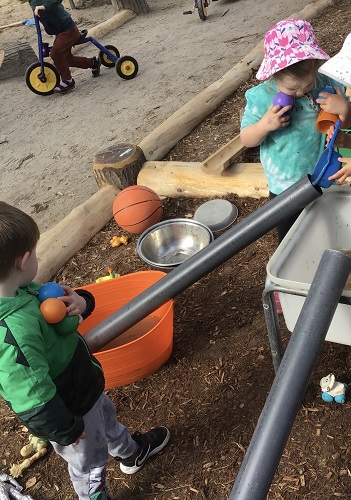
[(57, 21), (48, 376)]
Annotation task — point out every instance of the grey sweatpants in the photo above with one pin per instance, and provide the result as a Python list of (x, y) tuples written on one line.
[(104, 436)]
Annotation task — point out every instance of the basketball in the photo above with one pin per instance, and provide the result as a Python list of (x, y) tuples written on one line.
[(136, 208)]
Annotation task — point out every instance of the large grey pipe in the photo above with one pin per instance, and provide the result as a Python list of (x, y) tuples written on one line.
[(283, 402), (297, 197)]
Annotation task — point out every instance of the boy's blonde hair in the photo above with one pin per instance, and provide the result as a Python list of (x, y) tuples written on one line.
[(19, 234)]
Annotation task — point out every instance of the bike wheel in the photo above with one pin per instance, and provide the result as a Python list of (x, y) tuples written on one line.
[(127, 67), (105, 60), (202, 9), (52, 78)]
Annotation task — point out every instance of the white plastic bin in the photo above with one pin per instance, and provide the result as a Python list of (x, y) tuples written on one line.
[(324, 224)]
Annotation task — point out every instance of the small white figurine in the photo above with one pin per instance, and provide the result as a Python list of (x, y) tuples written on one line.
[(333, 390)]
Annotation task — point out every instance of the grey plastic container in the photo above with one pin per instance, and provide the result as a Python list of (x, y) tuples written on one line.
[(324, 224)]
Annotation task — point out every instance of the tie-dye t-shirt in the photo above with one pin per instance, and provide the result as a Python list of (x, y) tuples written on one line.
[(290, 153)]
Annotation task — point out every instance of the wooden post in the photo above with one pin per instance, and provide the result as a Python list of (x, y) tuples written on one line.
[(118, 165), (137, 6)]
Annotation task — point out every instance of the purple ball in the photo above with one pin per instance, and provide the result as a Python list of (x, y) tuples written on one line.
[(283, 100)]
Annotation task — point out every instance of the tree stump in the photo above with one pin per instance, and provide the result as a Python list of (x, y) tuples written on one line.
[(137, 6), (118, 165), (15, 59)]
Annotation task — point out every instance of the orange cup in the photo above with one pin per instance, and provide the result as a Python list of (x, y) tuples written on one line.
[(325, 120)]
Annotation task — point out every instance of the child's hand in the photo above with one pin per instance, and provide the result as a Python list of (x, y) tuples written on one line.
[(344, 172), (335, 103), (342, 140), (38, 8), (82, 436), (76, 304), (274, 118)]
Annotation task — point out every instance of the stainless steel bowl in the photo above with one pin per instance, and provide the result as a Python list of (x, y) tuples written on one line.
[(171, 242)]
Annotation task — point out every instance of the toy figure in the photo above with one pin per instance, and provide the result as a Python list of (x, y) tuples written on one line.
[(36, 448), (333, 390)]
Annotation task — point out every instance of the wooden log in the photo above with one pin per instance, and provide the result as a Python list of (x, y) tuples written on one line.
[(60, 243), (174, 179), (118, 165), (15, 59), (223, 157), (106, 27)]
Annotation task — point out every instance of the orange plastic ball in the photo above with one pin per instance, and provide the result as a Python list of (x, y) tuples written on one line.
[(136, 208), (53, 310)]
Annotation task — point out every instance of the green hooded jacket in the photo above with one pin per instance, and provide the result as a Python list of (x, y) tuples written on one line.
[(47, 374)]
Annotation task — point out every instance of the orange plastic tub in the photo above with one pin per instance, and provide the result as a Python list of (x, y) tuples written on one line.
[(144, 348)]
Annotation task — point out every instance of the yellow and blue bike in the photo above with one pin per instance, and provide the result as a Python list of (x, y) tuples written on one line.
[(42, 77)]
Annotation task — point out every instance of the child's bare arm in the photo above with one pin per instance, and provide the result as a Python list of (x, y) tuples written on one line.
[(342, 140), (344, 172), (273, 119)]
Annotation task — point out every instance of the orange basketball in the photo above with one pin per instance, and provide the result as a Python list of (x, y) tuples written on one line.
[(137, 208), (53, 310)]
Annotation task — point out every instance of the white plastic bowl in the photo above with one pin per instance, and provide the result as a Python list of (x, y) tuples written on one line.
[(217, 214)]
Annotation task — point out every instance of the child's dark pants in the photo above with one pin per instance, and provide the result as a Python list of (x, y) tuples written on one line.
[(62, 56)]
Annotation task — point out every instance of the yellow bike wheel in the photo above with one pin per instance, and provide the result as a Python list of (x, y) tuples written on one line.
[(36, 85), (127, 67), (104, 58)]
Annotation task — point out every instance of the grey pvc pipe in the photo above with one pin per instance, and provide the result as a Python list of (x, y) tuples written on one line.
[(295, 198), (283, 402)]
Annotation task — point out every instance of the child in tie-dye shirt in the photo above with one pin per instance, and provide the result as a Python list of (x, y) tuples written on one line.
[(290, 144)]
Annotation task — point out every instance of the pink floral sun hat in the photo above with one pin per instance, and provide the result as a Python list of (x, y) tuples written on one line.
[(286, 43)]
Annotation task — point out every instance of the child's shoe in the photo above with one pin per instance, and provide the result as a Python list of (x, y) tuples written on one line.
[(64, 86), (151, 443), (96, 68)]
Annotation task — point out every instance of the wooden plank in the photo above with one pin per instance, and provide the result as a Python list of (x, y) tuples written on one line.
[(224, 156), (174, 179)]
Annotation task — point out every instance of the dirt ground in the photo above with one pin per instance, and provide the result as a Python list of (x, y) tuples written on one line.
[(211, 391)]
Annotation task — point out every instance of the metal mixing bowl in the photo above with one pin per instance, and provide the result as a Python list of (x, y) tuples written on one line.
[(169, 243)]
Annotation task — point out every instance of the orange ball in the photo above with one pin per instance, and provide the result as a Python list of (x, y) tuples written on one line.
[(137, 208), (53, 310)]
